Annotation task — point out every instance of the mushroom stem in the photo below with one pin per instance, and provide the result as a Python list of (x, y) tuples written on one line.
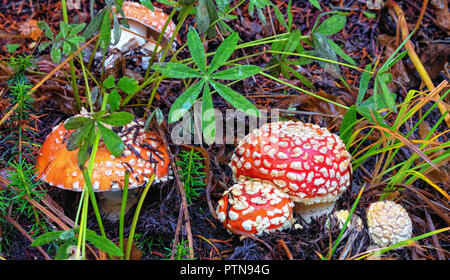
[(111, 203), (309, 211)]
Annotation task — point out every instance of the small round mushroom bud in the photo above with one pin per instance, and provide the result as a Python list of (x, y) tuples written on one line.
[(143, 156), (255, 207), (354, 223), (388, 223), (308, 162)]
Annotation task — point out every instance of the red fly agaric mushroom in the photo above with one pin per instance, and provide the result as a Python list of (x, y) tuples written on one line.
[(388, 223), (255, 207), (146, 23), (143, 156), (304, 160)]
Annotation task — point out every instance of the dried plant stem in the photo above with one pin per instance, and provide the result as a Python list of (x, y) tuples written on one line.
[(413, 56)]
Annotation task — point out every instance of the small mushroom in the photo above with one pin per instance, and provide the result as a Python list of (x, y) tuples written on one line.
[(147, 24), (255, 207), (355, 222), (304, 160), (388, 223), (143, 156)]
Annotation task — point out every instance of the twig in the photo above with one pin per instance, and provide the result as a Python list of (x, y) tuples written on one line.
[(25, 233), (182, 193)]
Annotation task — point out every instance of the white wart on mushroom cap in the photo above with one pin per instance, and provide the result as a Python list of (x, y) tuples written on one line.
[(388, 223), (255, 207)]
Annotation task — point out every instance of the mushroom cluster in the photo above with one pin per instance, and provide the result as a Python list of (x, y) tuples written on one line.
[(307, 162), (143, 156)]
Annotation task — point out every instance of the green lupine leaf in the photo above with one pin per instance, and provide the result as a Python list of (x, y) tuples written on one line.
[(208, 118), (55, 54), (235, 99), (112, 142), (105, 32), (44, 27), (196, 49), (363, 84), (117, 118), (332, 25), (339, 51), (94, 25), (347, 125), (184, 102), (76, 122), (315, 4), (46, 238), (75, 29), (176, 70), (223, 52), (237, 73), (103, 243)]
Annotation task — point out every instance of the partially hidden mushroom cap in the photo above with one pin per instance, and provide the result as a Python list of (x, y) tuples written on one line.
[(144, 155), (308, 162), (388, 223), (154, 20), (255, 207)]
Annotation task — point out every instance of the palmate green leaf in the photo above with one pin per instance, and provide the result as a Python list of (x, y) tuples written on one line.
[(76, 122), (176, 70), (105, 32), (299, 76), (382, 80), (75, 29), (127, 84), (324, 50), (103, 243), (235, 99), (112, 142), (94, 25), (117, 118), (148, 4), (208, 118), (109, 82), (237, 73), (315, 4), (339, 51), (202, 16), (363, 84), (47, 238), (184, 102), (347, 125), (223, 52), (196, 49), (55, 54), (77, 138), (44, 27), (332, 25)]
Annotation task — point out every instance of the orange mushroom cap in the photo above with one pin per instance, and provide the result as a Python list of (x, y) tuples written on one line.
[(154, 20), (143, 155), (254, 207), (308, 162)]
